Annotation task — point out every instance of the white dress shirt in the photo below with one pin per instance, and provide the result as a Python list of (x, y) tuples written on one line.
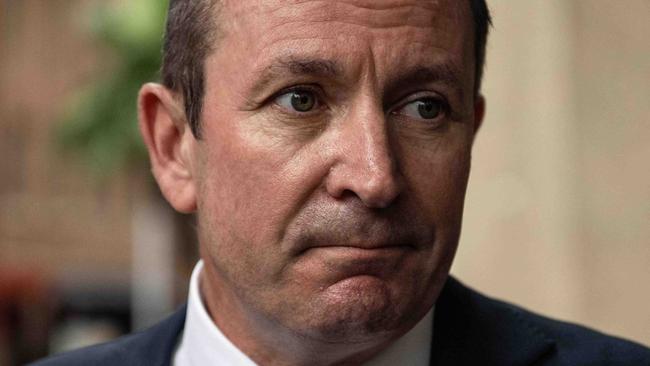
[(203, 344)]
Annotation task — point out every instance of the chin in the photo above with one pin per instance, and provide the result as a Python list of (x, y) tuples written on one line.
[(360, 309)]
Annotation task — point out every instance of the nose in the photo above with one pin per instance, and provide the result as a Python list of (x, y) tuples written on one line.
[(366, 164)]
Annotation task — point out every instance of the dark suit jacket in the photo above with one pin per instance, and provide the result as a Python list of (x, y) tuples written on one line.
[(469, 329)]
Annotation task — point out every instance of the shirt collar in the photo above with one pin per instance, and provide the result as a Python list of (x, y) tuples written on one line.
[(202, 343)]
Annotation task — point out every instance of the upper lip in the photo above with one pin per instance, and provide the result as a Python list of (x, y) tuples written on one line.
[(353, 231)]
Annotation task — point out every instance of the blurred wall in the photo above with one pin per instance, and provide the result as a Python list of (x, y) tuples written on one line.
[(54, 217), (62, 233), (558, 208)]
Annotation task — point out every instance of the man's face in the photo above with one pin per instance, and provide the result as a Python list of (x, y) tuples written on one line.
[(333, 162)]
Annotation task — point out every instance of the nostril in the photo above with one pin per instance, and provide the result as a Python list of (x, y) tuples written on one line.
[(372, 191), (381, 190)]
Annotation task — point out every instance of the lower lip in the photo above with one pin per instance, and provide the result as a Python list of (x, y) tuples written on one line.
[(356, 259), (356, 285), (332, 264)]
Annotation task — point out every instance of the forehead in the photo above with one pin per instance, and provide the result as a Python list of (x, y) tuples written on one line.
[(377, 13), (388, 33)]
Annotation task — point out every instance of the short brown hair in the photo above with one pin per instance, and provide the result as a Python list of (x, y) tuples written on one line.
[(189, 38)]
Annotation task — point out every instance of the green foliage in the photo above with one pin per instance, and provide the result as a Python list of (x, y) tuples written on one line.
[(101, 124)]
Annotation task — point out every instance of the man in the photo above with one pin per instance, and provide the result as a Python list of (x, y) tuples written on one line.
[(325, 148)]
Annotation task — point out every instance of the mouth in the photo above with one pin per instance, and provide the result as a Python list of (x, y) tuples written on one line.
[(358, 252), (351, 256), (355, 244), (344, 261), (363, 246)]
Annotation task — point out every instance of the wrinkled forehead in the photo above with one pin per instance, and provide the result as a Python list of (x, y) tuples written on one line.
[(392, 33), (383, 13)]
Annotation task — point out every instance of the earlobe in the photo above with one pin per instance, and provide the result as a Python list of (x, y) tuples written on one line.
[(170, 144)]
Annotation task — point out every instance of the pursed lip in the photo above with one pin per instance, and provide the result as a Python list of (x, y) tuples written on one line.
[(337, 262), (354, 234), (366, 246)]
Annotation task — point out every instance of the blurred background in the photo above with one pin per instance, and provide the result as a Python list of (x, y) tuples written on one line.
[(557, 214)]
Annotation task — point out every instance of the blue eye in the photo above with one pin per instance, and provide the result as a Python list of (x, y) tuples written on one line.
[(424, 108), (298, 100)]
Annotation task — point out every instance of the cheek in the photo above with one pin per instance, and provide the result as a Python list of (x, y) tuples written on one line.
[(438, 179), (250, 190), (236, 189), (239, 223)]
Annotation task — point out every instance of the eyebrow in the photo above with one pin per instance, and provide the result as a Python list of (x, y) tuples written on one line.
[(296, 67), (444, 73)]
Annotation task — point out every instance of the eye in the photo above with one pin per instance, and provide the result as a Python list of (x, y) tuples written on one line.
[(423, 108), (299, 100)]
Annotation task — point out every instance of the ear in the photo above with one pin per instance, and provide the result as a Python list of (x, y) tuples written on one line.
[(479, 112), (170, 143)]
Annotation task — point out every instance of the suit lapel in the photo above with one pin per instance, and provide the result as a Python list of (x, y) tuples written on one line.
[(471, 329), (159, 342)]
